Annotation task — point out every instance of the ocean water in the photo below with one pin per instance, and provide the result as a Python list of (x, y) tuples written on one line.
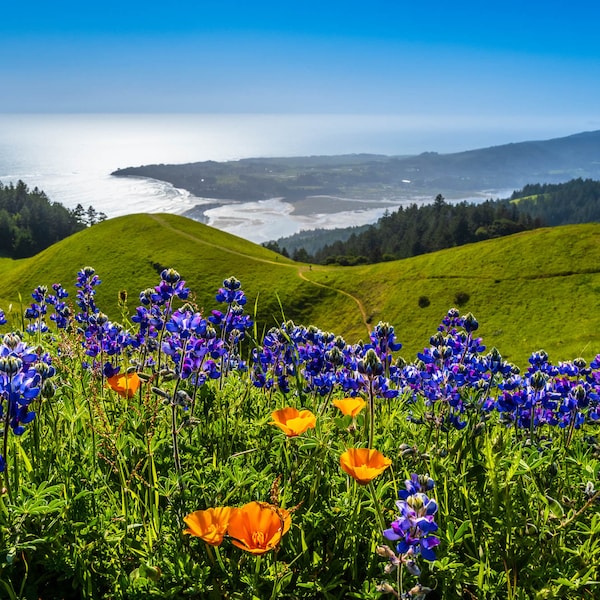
[(71, 156)]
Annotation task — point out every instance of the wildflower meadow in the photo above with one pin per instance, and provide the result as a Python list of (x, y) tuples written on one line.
[(190, 452)]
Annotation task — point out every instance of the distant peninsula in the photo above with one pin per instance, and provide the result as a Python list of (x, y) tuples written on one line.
[(371, 180)]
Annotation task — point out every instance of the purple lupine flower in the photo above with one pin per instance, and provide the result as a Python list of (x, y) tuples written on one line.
[(62, 312), (564, 395), (414, 528), (87, 280), (233, 323), (231, 292), (201, 348), (417, 484), (364, 372), (170, 286), (155, 312), (23, 373), (36, 311), (383, 341), (451, 369), (321, 358), (277, 360)]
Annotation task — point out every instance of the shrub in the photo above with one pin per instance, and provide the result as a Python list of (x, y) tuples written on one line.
[(424, 301), (461, 298)]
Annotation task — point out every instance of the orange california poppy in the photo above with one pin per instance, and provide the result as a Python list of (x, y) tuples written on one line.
[(258, 527), (125, 385), (292, 421), (350, 406), (210, 525), (364, 464)]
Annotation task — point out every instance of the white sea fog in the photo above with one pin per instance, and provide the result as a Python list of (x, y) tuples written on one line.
[(70, 156)]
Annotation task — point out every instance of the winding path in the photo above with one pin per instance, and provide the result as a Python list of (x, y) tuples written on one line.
[(300, 270), (361, 308)]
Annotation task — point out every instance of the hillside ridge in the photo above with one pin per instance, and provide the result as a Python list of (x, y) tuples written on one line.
[(371, 178), (532, 290)]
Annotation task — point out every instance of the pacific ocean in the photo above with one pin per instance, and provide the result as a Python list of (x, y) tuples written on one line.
[(71, 156)]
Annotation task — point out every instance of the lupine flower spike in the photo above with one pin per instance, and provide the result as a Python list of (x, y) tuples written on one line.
[(414, 527)]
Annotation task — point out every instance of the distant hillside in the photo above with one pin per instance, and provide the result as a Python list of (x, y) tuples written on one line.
[(375, 177), (533, 290), (418, 230), (577, 201), (510, 165)]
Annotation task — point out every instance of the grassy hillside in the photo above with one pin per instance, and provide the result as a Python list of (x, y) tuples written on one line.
[(129, 253), (540, 289)]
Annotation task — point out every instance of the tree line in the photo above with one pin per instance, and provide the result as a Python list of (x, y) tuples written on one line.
[(414, 230), (30, 222), (577, 201)]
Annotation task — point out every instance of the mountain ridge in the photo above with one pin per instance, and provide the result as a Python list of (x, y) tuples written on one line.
[(374, 177)]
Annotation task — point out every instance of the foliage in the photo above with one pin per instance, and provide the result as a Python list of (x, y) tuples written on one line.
[(414, 230), (424, 301), (313, 239), (576, 201), (102, 474), (29, 222), (461, 298)]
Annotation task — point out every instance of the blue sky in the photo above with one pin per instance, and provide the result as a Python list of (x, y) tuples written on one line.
[(514, 60)]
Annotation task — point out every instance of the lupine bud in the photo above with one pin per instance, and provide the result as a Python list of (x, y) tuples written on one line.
[(48, 389), (386, 588), (470, 322), (10, 365), (170, 276)]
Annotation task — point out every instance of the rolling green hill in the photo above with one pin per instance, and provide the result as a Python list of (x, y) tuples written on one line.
[(539, 289), (130, 252)]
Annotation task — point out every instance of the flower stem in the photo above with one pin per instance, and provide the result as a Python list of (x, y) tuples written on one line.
[(376, 506), (174, 440), (371, 414)]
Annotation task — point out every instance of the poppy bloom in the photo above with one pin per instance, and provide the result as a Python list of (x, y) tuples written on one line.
[(350, 406), (292, 421), (210, 525), (125, 385), (258, 527), (364, 464)]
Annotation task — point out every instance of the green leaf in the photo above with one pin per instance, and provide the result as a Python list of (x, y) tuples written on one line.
[(555, 507), (25, 459), (460, 534)]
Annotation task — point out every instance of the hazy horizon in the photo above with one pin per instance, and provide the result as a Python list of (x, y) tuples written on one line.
[(70, 158)]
